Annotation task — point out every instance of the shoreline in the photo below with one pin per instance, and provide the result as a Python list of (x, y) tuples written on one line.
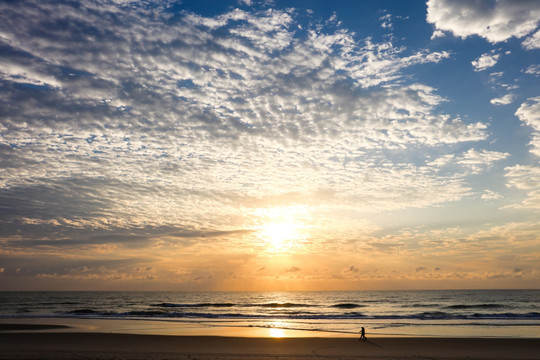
[(69, 345), (276, 329)]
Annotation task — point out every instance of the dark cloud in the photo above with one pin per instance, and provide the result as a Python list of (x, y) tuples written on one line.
[(62, 236), (30, 266), (293, 269), (49, 199)]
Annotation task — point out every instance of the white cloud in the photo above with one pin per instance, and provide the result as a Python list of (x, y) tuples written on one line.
[(386, 21), (495, 79), (526, 177), (195, 121), (496, 76), (532, 42), (437, 34), (472, 161), (529, 113), (532, 70), (503, 100), (26, 73), (535, 144), (473, 157), (493, 20), (491, 195), (485, 61)]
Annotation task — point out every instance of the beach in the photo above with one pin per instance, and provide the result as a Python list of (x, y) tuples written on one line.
[(492, 325), (71, 345)]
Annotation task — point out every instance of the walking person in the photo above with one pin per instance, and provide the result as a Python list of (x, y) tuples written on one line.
[(362, 335)]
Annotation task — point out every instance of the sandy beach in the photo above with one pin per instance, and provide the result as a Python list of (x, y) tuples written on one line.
[(68, 345)]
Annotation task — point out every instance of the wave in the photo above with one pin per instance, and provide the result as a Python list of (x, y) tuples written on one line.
[(147, 313), (301, 315), (83, 312), (225, 305), (441, 315), (421, 306), (530, 315), (280, 305), (476, 306), (172, 305), (348, 306), (434, 315), (59, 303)]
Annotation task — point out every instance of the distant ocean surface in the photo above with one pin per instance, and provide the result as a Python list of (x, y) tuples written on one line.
[(514, 313)]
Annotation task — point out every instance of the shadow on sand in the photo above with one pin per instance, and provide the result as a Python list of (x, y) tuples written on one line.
[(369, 342)]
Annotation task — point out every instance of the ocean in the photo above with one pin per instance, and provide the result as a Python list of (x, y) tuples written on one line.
[(455, 313)]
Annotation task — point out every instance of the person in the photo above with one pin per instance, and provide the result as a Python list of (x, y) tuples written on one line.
[(362, 335)]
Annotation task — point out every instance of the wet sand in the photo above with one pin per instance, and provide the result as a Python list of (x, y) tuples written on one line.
[(70, 345)]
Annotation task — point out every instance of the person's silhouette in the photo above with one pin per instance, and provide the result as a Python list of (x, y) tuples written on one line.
[(362, 335)]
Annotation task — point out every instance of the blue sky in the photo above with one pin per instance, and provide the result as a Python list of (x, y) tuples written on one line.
[(266, 145)]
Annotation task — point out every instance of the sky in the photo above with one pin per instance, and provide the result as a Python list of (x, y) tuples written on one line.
[(269, 145)]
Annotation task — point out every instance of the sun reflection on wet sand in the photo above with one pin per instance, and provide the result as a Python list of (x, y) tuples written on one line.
[(277, 333)]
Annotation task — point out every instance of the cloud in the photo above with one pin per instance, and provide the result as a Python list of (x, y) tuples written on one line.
[(437, 34), (527, 178), (126, 129), (532, 70), (387, 20), (529, 114), (154, 97), (472, 161), (495, 21), (491, 195), (485, 61), (503, 100), (532, 42)]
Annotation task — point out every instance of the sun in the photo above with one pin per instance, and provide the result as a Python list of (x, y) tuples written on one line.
[(277, 233), (282, 229), (281, 235)]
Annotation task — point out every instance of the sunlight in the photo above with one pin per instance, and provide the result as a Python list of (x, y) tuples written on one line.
[(276, 329), (277, 234), (282, 228), (277, 333)]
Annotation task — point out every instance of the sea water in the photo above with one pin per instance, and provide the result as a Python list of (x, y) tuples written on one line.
[(512, 313)]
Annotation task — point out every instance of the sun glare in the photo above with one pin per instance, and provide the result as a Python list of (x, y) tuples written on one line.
[(278, 233), (281, 236), (282, 229), (277, 333), (276, 330)]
